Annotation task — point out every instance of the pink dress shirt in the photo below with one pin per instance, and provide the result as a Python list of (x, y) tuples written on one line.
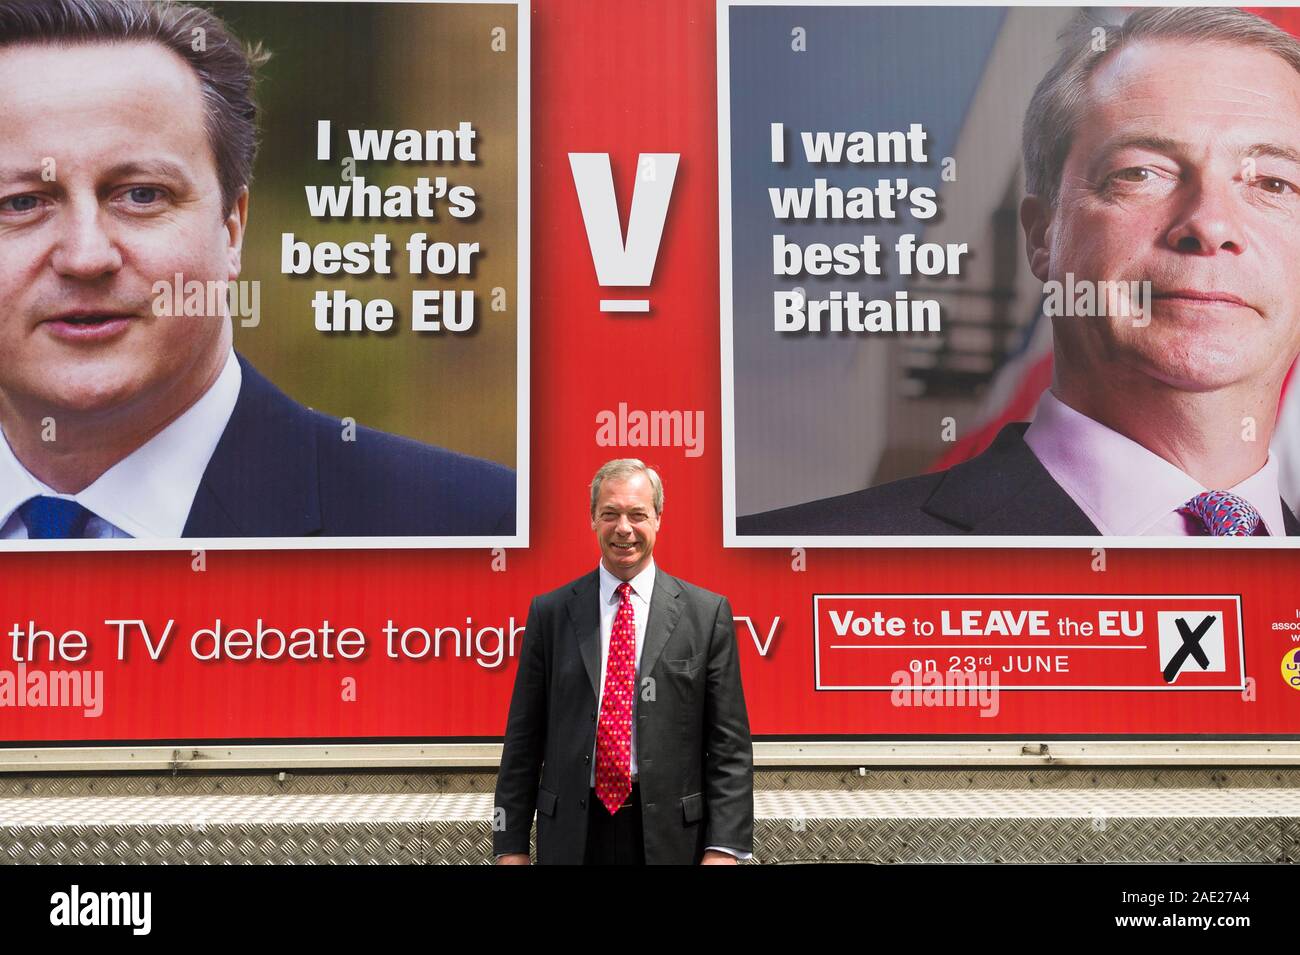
[(1127, 490)]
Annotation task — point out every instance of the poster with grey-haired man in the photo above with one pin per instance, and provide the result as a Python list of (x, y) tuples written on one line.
[(1038, 263)]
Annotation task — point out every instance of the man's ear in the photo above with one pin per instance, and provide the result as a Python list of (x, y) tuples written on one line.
[(1036, 220), (235, 224)]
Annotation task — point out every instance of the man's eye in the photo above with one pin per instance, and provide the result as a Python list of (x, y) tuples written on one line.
[(1275, 186), (1133, 174), (19, 204), (143, 195)]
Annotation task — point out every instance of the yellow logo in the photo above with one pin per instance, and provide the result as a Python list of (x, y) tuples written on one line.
[(1291, 668)]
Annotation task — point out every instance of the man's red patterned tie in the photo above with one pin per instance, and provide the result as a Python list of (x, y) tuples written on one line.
[(1224, 514), (614, 734)]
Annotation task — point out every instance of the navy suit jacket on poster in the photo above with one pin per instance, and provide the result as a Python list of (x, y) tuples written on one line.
[(1003, 490), (282, 470)]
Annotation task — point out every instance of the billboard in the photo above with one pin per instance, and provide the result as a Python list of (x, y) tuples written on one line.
[(639, 320)]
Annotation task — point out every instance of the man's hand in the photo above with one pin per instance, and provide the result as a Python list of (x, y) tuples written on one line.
[(514, 858), (714, 857)]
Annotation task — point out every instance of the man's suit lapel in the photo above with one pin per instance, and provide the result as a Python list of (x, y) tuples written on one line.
[(665, 608), (262, 479), (1006, 490), (584, 612), (1289, 521)]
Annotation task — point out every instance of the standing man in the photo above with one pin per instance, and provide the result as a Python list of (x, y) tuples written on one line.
[(627, 733)]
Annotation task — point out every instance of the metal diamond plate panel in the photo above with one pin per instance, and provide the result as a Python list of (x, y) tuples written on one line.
[(1027, 804), (202, 811), (1204, 823), (1204, 839), (219, 844)]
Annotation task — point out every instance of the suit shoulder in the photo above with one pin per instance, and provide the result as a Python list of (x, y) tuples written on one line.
[(390, 484), (280, 468), (695, 593), (892, 508), (396, 457), (563, 594)]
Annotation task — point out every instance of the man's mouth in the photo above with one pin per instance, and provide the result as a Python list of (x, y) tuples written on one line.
[(88, 325), (625, 548), (1206, 297)]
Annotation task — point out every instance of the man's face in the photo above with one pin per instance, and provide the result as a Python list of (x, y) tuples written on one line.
[(626, 525), (107, 186), (1184, 172)]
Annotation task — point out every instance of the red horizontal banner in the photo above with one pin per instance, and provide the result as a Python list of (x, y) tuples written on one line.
[(421, 644)]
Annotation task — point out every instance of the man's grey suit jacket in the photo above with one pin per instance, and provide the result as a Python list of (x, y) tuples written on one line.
[(694, 756)]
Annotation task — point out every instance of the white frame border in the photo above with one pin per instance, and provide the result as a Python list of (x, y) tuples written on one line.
[(1014, 752), (730, 539), (523, 383)]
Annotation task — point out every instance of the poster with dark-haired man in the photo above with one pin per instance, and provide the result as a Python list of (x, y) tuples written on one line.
[(204, 237)]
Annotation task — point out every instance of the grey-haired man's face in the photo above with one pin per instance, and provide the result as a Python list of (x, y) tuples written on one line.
[(107, 187), (626, 524), (1185, 172)]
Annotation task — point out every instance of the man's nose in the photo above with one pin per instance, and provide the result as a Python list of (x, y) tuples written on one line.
[(1210, 221), (85, 249)]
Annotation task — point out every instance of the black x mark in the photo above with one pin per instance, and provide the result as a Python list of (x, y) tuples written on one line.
[(1191, 648)]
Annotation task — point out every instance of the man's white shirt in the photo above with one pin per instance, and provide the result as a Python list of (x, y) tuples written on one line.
[(148, 493), (643, 587)]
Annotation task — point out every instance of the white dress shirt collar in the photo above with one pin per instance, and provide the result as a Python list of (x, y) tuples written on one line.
[(148, 493), (643, 584), (1124, 488)]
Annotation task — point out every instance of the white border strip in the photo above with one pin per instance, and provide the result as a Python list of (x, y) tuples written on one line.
[(730, 539), (523, 281), (402, 757), (625, 305)]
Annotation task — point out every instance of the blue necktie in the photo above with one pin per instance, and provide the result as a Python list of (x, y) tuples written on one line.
[(53, 518)]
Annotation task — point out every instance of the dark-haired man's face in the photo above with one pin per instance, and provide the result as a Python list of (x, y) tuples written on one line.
[(1184, 172), (107, 187)]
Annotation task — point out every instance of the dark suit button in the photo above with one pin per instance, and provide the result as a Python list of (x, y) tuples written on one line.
[(582, 804), (586, 759)]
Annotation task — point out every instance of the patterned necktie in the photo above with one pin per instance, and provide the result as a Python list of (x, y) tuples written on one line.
[(53, 518), (614, 734), (1223, 514)]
